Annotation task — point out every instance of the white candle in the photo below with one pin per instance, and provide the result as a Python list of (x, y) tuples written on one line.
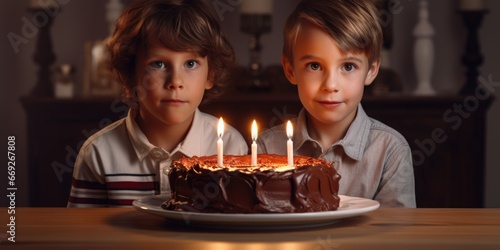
[(257, 7), (254, 144), (220, 143), (289, 143), (471, 5)]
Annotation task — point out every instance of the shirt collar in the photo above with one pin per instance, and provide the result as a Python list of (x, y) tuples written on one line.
[(301, 136), (353, 142), (356, 138), (140, 142), (193, 137)]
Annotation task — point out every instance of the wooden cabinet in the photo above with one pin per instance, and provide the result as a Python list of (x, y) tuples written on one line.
[(57, 128), (446, 134), (447, 138)]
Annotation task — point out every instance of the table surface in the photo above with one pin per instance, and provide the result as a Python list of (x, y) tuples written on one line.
[(128, 228)]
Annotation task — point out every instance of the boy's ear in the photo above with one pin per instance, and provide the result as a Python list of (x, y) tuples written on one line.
[(209, 85), (288, 69), (210, 81), (372, 72)]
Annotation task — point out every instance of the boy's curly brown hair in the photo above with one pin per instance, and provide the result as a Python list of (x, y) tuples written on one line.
[(181, 25)]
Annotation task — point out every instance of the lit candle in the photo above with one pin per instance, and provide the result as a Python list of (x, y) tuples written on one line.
[(257, 7), (254, 144), (471, 5), (220, 144), (289, 143)]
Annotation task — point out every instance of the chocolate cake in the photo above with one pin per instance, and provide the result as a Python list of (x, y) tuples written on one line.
[(199, 185)]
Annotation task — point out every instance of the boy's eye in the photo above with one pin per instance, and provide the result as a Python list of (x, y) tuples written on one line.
[(349, 67), (191, 64), (158, 65), (313, 66)]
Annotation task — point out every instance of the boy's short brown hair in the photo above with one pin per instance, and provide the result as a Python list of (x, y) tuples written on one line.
[(181, 25), (353, 24)]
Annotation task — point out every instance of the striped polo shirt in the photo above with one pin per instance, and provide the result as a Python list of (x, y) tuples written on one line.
[(118, 164)]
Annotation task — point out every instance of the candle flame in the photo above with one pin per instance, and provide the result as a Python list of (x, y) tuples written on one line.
[(220, 128), (289, 130), (254, 130)]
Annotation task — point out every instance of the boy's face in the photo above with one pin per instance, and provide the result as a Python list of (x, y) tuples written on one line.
[(330, 84), (170, 84)]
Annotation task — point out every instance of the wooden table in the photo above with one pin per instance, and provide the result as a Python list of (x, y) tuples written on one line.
[(127, 228)]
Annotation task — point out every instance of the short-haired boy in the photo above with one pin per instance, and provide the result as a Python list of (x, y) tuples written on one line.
[(331, 52)]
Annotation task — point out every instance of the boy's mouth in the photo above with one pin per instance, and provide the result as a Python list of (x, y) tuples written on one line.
[(173, 101), (329, 103)]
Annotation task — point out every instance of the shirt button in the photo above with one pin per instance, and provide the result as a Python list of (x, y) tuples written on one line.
[(165, 170)]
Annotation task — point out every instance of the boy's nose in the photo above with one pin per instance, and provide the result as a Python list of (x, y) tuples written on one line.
[(174, 81), (330, 83)]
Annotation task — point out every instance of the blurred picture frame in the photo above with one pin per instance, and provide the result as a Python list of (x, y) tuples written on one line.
[(98, 79)]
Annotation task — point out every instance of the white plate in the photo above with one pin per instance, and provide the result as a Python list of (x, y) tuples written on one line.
[(349, 207)]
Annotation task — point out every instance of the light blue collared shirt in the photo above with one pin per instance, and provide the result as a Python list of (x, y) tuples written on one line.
[(374, 160)]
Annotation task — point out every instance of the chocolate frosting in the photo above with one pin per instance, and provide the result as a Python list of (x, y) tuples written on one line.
[(199, 185)]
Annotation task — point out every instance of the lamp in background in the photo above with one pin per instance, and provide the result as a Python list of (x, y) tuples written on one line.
[(472, 12), (98, 79), (256, 20), (43, 16)]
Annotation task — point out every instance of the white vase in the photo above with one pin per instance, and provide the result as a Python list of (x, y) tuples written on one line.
[(423, 51)]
